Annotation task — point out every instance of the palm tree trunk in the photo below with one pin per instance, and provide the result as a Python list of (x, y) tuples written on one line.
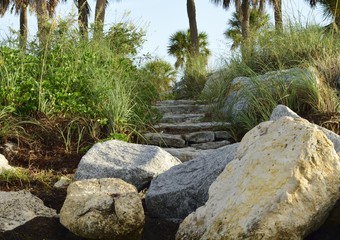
[(237, 6), (99, 18), (191, 9), (83, 11), (42, 22), (245, 10), (278, 15), (23, 27)]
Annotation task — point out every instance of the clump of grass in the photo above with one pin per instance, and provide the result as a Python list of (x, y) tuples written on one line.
[(23, 177), (310, 47), (76, 79)]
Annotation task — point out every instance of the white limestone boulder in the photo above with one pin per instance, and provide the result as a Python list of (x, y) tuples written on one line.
[(17, 208), (281, 185), (176, 193), (282, 110), (103, 209), (4, 166), (134, 163)]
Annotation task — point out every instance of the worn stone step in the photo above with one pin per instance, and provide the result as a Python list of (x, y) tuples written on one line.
[(200, 137), (182, 109), (178, 102), (164, 140), (177, 118), (187, 153), (210, 145), (190, 127)]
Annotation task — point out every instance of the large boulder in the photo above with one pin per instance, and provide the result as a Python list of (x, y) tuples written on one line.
[(134, 163), (105, 208), (177, 192), (282, 110), (281, 185), (238, 97), (17, 208)]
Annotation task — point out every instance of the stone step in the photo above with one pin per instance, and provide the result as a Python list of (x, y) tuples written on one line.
[(177, 118), (164, 140), (190, 127), (177, 102), (182, 109), (187, 153), (210, 145)]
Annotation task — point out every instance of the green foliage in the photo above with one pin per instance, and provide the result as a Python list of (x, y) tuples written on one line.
[(96, 79), (161, 74)]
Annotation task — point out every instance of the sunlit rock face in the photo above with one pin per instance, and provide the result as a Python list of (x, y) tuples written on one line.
[(281, 185)]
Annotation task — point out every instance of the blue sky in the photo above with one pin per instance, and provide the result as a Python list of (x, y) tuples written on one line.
[(162, 18)]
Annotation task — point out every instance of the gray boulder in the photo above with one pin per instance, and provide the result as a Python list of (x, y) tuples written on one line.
[(281, 111), (243, 87), (134, 163), (17, 208), (179, 191), (103, 209)]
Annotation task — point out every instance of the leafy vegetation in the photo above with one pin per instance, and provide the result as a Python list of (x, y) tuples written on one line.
[(95, 80)]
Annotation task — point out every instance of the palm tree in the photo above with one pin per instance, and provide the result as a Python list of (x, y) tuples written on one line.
[(99, 17), (191, 10), (331, 9), (180, 45), (19, 7), (277, 4), (83, 16), (257, 20), (243, 9)]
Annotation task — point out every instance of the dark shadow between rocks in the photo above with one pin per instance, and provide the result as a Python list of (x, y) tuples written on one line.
[(40, 228)]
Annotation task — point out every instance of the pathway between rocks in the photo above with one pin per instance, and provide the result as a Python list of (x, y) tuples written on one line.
[(183, 132)]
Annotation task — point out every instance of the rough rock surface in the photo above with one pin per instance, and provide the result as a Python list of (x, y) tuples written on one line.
[(164, 140), (179, 191), (237, 102), (200, 137), (281, 185), (17, 208), (4, 166), (282, 110), (105, 208), (134, 163)]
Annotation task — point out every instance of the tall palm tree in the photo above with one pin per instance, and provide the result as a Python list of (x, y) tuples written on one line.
[(191, 10), (243, 9), (83, 16), (257, 21), (180, 45), (99, 17), (277, 4)]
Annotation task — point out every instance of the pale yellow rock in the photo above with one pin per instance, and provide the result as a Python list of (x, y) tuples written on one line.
[(281, 185)]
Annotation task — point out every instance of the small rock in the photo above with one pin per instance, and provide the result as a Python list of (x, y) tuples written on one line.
[(17, 208), (105, 208), (63, 182), (4, 166), (222, 135)]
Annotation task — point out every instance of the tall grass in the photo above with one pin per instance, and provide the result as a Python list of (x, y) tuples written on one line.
[(75, 78), (310, 47)]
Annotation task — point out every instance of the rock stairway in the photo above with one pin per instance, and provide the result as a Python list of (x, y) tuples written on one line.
[(183, 132)]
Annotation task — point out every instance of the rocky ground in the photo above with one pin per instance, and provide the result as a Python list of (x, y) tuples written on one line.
[(45, 152)]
